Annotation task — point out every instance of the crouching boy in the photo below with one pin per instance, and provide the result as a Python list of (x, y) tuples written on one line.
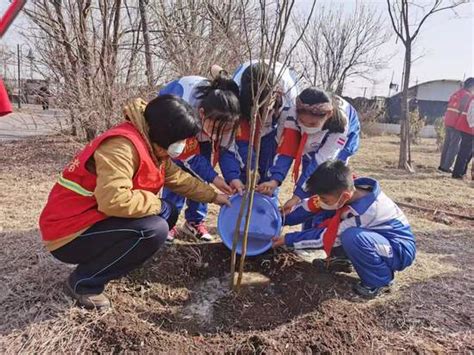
[(365, 227)]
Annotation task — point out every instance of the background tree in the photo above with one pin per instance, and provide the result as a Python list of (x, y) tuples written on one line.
[(338, 45), (99, 53), (82, 47), (407, 19), (189, 36), (142, 5)]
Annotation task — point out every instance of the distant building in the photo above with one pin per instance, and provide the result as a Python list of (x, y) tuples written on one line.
[(431, 98)]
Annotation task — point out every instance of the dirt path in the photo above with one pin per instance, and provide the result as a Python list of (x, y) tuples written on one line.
[(31, 120)]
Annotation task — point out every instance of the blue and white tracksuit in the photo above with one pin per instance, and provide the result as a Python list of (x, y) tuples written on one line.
[(197, 164), (271, 130), (374, 233), (319, 147)]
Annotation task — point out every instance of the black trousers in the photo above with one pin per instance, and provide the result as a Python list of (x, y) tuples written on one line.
[(110, 249), (464, 155)]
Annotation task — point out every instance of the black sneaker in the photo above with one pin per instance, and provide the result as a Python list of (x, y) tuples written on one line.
[(334, 264), (371, 292), (449, 171)]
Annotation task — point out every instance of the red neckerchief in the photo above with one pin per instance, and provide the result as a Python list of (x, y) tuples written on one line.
[(299, 156), (243, 131), (215, 153), (332, 226)]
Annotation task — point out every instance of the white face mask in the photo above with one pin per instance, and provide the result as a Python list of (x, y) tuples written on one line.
[(329, 207), (175, 149), (309, 130), (332, 207)]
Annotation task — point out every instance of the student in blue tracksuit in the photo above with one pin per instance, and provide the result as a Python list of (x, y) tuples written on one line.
[(365, 226), (321, 128), (285, 92), (217, 105)]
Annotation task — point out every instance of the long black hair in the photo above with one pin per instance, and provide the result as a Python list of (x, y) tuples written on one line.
[(170, 119), (338, 121), (219, 99), (249, 85)]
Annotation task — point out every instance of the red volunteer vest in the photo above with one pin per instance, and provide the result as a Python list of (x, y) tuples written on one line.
[(456, 105), (5, 105), (462, 124), (72, 206)]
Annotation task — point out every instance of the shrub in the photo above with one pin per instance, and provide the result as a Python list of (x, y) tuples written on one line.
[(416, 125), (369, 115), (440, 132)]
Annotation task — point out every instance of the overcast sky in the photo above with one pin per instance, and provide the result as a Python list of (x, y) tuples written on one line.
[(446, 42)]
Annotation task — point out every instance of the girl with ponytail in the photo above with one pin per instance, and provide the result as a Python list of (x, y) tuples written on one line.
[(216, 102), (252, 77)]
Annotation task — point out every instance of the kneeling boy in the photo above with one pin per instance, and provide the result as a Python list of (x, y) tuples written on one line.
[(360, 221)]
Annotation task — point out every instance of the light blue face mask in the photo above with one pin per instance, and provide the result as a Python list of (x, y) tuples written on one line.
[(176, 149)]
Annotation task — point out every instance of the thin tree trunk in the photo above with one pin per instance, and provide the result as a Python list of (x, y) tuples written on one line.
[(340, 87), (146, 41), (404, 157)]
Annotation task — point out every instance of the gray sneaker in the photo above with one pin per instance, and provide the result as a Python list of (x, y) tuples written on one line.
[(371, 292), (88, 301)]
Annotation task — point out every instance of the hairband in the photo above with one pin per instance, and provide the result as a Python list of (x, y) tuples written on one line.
[(320, 109)]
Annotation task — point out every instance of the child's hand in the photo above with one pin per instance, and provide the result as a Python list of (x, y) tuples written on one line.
[(290, 205), (267, 188), (278, 241), (237, 186), (222, 186)]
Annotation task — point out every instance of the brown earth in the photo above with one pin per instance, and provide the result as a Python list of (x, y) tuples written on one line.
[(179, 301)]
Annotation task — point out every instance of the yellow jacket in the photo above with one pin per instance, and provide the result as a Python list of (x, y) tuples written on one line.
[(115, 163)]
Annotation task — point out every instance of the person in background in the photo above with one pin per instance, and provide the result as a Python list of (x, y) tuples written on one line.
[(470, 120), (44, 95), (216, 103), (457, 104), (248, 76), (326, 127), (465, 126), (366, 228), (103, 214)]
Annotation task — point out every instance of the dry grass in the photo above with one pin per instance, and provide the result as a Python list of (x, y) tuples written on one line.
[(430, 310)]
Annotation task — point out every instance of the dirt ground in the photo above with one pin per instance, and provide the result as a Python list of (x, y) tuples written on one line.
[(179, 301)]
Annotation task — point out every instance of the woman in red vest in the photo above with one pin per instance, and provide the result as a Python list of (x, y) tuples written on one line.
[(457, 104), (467, 141), (104, 213)]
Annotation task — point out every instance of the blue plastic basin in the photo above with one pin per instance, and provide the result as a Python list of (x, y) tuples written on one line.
[(265, 223)]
